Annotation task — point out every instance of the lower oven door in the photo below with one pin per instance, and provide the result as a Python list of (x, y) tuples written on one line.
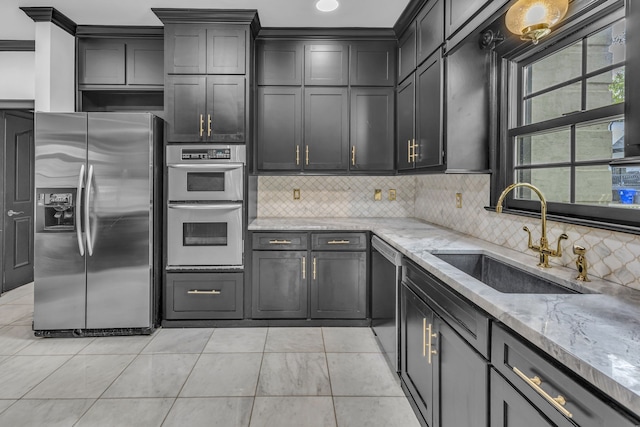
[(204, 235)]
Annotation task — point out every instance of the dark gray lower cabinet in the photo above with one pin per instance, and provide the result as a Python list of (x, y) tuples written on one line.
[(279, 284), (339, 285)]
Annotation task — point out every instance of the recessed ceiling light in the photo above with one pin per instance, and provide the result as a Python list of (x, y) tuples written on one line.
[(327, 5)]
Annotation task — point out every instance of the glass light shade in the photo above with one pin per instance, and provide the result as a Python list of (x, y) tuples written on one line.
[(533, 19), (327, 5)]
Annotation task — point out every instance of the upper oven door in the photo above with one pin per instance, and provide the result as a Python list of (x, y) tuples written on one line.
[(190, 182)]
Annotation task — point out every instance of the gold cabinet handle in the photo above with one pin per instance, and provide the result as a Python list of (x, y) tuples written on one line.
[(409, 151), (353, 155), (199, 292), (279, 242), (431, 335), (201, 125), (297, 155), (424, 337), (304, 267), (535, 382), (338, 242), (314, 268), (415, 151), (307, 155), (208, 124)]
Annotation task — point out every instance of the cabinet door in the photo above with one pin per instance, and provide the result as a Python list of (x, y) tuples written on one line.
[(463, 381), (406, 122), (429, 151), (430, 27), (225, 109), (373, 64), (226, 51), (407, 53), (326, 128), (279, 284), (417, 368), (280, 128), (186, 106), (339, 285), (279, 63), (145, 62), (372, 131), (186, 49), (510, 409), (326, 64), (101, 62), (458, 12)]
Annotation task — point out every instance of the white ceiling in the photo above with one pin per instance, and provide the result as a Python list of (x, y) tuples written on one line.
[(15, 25)]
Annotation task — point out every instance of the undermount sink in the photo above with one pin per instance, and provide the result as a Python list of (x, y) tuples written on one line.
[(503, 277)]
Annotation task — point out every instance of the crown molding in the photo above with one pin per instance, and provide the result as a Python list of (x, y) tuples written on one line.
[(123, 31), (51, 14), (191, 16)]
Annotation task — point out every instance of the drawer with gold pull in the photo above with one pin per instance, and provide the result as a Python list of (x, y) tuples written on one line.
[(279, 241), (339, 241), (204, 296)]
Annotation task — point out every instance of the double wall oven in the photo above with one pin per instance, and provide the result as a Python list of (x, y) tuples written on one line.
[(205, 206)]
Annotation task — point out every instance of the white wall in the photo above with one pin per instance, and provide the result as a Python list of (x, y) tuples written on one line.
[(17, 76), (55, 69)]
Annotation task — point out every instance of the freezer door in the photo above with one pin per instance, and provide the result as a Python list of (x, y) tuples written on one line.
[(59, 267), (119, 213)]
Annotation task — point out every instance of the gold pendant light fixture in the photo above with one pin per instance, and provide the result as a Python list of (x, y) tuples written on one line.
[(533, 19)]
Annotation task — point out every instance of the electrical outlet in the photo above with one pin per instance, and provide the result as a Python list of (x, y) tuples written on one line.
[(296, 194), (392, 194), (377, 194), (458, 200)]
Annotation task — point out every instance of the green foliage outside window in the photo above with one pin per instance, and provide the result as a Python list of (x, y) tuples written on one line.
[(617, 87)]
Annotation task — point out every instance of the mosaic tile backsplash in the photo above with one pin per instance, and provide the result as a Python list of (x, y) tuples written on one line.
[(611, 255)]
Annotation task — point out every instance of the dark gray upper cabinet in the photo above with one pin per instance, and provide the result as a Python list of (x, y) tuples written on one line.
[(279, 128), (101, 62), (326, 128), (226, 50), (225, 109), (339, 285), (430, 29), (407, 53), (186, 103), (372, 131), (429, 151), (406, 120), (373, 64), (457, 12), (326, 64), (145, 62), (279, 63), (198, 49), (185, 49)]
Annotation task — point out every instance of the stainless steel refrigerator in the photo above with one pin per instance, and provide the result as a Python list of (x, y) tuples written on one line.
[(98, 192)]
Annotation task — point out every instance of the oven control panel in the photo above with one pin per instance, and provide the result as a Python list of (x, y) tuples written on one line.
[(206, 154)]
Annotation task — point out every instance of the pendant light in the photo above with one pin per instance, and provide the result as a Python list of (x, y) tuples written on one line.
[(533, 19)]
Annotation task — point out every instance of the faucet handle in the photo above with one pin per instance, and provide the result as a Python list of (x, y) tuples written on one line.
[(530, 242), (562, 237)]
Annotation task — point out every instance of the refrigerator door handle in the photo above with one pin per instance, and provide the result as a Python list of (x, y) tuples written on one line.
[(78, 213), (87, 224)]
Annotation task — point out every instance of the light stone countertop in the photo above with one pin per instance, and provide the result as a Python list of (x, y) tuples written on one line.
[(595, 335)]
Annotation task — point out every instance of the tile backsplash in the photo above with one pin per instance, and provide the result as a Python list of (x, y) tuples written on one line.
[(611, 255)]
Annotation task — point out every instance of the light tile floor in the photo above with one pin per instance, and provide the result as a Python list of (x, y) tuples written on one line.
[(249, 377)]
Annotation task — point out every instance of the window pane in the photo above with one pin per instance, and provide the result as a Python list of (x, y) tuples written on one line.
[(607, 186), (553, 182), (626, 187), (553, 104), (605, 89), (560, 67), (549, 147), (600, 141), (606, 47)]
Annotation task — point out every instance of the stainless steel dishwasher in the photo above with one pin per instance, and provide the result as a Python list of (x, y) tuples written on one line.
[(386, 274)]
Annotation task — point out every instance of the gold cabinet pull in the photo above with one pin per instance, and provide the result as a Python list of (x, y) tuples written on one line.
[(208, 124), (424, 337), (353, 155), (414, 152), (535, 383), (314, 268), (201, 125), (409, 151), (304, 267), (307, 155), (338, 242), (297, 155), (279, 242), (199, 292), (430, 342)]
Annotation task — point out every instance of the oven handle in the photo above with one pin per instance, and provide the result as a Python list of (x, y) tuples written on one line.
[(222, 167), (199, 206)]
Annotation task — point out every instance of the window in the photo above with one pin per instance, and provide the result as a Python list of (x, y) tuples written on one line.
[(568, 126)]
